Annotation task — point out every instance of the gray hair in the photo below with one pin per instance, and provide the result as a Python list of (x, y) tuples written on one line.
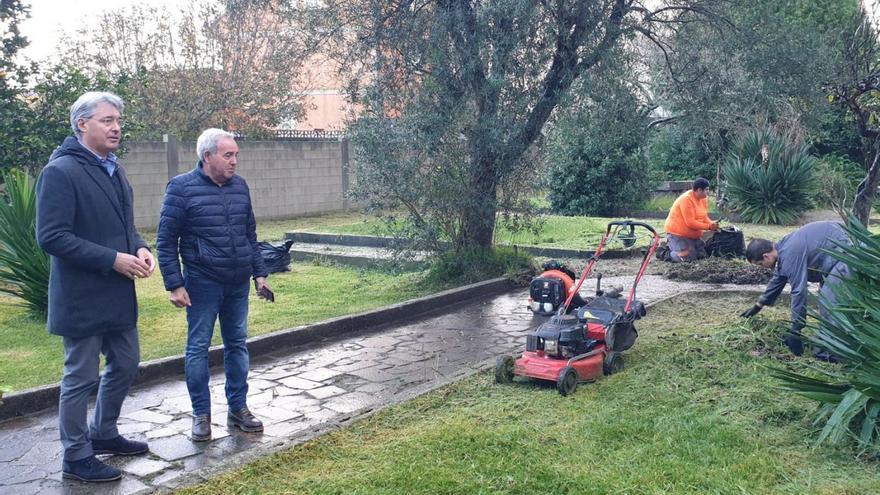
[(208, 141), (84, 107)]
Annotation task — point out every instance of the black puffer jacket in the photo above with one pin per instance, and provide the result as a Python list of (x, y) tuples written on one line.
[(211, 227)]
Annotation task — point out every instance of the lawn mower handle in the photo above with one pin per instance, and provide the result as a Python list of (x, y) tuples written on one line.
[(627, 223)]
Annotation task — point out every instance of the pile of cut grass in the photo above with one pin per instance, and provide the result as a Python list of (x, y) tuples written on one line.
[(719, 271)]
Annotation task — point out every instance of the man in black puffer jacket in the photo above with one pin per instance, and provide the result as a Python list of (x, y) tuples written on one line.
[(207, 219)]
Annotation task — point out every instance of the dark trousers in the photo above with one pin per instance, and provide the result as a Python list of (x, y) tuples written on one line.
[(81, 376)]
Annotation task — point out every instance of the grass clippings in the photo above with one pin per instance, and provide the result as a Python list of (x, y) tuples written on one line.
[(719, 271)]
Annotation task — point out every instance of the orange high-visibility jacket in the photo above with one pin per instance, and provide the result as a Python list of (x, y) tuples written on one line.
[(689, 216)]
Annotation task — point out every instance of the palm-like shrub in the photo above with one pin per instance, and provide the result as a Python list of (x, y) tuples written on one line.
[(24, 267), (850, 396), (768, 179)]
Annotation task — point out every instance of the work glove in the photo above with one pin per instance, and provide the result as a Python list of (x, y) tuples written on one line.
[(751, 311), (795, 345)]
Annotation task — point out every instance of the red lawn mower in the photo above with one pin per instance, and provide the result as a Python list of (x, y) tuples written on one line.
[(571, 348)]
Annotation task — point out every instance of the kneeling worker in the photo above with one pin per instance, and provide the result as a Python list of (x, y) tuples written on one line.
[(687, 220), (801, 257)]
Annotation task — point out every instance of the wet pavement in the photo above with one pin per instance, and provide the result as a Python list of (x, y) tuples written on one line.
[(298, 395)]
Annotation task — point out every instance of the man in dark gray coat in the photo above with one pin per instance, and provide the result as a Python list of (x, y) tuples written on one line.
[(85, 223), (800, 257)]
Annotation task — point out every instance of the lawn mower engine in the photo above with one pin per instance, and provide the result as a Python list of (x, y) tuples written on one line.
[(549, 290)]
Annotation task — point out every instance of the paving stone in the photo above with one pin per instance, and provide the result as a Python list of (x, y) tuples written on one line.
[(42, 453), (374, 387), (12, 474), (28, 488), (177, 404), (260, 399), (234, 444), (14, 445), (258, 385), (321, 414), (161, 433), (357, 365), (324, 392), (276, 414), (127, 485), (319, 375), (282, 391), (299, 383), (176, 447), (277, 374), (130, 428), (350, 402), (168, 478), (150, 416), (374, 374), (142, 466), (287, 428)]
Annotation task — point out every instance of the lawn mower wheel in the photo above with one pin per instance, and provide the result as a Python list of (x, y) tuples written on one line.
[(567, 382)]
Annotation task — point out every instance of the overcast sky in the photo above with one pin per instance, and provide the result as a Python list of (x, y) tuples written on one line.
[(50, 18)]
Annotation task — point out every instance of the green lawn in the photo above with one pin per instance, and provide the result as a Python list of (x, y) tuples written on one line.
[(29, 356), (556, 230), (693, 413)]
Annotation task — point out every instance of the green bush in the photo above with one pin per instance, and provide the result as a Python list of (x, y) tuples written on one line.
[(24, 267), (840, 180), (849, 396), (471, 265), (596, 162), (679, 155), (771, 188)]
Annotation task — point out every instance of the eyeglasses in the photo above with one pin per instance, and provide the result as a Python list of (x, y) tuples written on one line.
[(108, 121)]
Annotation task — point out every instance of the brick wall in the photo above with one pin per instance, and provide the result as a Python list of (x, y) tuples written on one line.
[(286, 178)]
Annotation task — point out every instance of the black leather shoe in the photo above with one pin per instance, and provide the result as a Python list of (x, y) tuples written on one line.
[(119, 446), (89, 469), (201, 431), (245, 420)]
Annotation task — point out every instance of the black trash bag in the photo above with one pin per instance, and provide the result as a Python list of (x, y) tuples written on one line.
[(728, 242), (276, 257)]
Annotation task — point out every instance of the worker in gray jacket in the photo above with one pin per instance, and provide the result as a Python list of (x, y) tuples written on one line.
[(801, 257)]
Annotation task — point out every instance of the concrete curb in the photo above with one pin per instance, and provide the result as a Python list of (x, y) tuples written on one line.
[(39, 398), (388, 242), (361, 261)]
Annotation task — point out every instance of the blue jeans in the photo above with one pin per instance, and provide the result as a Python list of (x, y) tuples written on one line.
[(211, 299), (81, 361)]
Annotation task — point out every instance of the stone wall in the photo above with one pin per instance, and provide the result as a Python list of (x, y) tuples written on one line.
[(286, 178)]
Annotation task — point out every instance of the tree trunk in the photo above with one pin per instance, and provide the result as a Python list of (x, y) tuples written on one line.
[(866, 191), (478, 222)]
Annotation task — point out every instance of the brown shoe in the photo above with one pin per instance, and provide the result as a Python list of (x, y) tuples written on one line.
[(244, 420), (201, 431)]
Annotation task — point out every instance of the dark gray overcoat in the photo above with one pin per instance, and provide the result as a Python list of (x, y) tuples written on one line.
[(82, 224)]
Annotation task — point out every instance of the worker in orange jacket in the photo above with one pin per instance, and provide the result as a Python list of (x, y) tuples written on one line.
[(687, 220)]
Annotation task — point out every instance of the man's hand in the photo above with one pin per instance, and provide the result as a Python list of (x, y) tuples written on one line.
[(751, 311), (715, 227), (132, 266), (146, 256), (263, 289), (179, 297)]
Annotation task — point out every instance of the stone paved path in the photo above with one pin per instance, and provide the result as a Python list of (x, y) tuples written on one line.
[(298, 395)]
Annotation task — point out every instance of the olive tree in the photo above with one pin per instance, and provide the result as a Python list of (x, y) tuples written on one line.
[(456, 93)]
